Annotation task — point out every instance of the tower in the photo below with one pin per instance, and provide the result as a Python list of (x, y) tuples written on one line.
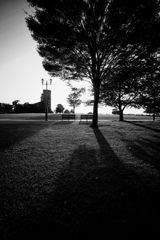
[(46, 98)]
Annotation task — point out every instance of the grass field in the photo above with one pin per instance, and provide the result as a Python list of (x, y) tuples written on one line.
[(51, 116), (61, 177)]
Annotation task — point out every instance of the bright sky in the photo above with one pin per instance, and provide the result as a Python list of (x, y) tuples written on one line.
[(21, 67)]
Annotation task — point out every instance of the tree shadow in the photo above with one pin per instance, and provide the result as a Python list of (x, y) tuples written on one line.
[(143, 126), (145, 149), (94, 195), (64, 122), (85, 122), (14, 132)]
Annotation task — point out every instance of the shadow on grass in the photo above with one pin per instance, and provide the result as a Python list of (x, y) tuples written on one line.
[(145, 149), (95, 196), (63, 122), (143, 126), (14, 132), (85, 122)]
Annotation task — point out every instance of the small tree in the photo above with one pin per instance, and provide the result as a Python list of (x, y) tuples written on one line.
[(59, 108), (66, 111), (74, 97)]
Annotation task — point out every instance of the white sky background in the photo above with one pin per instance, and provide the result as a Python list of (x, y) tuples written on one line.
[(21, 67)]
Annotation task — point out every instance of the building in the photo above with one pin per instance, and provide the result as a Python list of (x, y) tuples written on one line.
[(46, 98)]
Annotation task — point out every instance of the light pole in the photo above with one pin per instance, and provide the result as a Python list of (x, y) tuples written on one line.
[(45, 97)]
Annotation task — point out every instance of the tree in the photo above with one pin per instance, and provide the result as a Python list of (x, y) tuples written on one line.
[(5, 108), (14, 104), (59, 108), (80, 39), (8, 108), (115, 111), (121, 93), (150, 97), (124, 86), (66, 111), (74, 97)]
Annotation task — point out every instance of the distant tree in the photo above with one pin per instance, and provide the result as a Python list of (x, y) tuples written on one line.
[(124, 85), (66, 111), (150, 97), (74, 97), (117, 94), (14, 103), (80, 39), (8, 108), (5, 108), (2, 108), (59, 108), (115, 111)]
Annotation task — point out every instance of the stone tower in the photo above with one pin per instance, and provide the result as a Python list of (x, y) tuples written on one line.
[(46, 98)]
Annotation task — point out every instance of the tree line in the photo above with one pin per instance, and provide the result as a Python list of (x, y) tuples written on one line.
[(17, 107)]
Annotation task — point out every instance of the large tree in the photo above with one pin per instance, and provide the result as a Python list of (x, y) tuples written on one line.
[(80, 38)]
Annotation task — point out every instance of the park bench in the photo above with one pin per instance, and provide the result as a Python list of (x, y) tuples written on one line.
[(86, 117), (68, 116)]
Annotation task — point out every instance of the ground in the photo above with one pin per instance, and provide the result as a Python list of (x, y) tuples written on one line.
[(62, 177)]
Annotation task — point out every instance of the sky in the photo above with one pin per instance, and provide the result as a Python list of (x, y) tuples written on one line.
[(21, 67)]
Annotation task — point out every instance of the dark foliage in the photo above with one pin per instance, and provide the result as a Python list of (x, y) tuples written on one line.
[(59, 108), (5, 108)]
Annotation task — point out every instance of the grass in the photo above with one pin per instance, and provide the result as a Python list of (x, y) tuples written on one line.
[(66, 178), (51, 116)]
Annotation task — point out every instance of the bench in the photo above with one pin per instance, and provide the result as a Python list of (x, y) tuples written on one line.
[(86, 117), (68, 116)]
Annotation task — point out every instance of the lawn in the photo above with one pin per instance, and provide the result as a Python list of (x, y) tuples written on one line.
[(64, 178), (51, 116)]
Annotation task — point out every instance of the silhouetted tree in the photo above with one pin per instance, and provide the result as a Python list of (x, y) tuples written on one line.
[(74, 97), (5, 108), (150, 97), (14, 103), (124, 86), (59, 108), (8, 108), (66, 111), (81, 38)]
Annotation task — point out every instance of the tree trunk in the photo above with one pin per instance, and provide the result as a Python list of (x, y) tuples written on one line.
[(154, 108), (154, 116), (121, 115), (74, 109), (95, 107), (120, 109)]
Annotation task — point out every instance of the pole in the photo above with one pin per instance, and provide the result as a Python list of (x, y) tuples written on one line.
[(45, 98), (46, 113)]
